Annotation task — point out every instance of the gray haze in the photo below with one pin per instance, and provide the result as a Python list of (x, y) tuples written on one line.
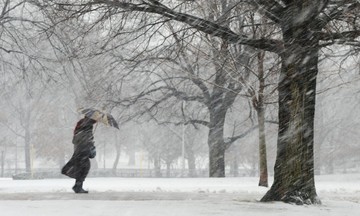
[(47, 74)]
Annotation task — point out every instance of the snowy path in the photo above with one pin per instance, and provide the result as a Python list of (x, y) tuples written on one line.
[(124, 196), (155, 197)]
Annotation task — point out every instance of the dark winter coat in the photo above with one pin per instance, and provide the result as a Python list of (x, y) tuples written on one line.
[(79, 165)]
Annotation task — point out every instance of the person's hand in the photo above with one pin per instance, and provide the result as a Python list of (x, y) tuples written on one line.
[(92, 152)]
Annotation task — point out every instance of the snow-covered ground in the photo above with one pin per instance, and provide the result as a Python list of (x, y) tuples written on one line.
[(340, 195)]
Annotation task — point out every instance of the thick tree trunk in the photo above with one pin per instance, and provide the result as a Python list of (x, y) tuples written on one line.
[(216, 144), (294, 167), (217, 160), (219, 102)]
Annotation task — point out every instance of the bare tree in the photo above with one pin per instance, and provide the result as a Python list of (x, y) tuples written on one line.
[(262, 91), (163, 148), (194, 81), (306, 27)]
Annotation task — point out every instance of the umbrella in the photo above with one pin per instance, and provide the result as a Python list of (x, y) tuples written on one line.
[(99, 116)]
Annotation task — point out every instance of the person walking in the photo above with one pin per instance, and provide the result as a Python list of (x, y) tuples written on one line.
[(79, 164)]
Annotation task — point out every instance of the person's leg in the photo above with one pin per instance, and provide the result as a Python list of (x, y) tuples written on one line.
[(83, 168), (78, 187)]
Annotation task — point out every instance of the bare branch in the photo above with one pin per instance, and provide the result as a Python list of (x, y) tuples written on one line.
[(230, 140), (337, 9), (347, 35), (272, 9), (198, 23)]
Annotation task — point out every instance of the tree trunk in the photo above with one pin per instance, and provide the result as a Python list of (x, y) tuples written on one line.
[(260, 109), (28, 167), (216, 160), (262, 149), (117, 157), (216, 143), (219, 102), (294, 166), (27, 136), (2, 163), (157, 166), (168, 169), (191, 162)]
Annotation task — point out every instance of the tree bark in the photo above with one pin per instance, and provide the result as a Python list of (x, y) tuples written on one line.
[(294, 166), (263, 181), (260, 109), (219, 103), (216, 143)]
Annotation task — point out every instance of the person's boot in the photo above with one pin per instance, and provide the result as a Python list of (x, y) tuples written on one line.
[(78, 187)]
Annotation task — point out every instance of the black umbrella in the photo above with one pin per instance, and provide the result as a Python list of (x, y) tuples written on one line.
[(99, 116)]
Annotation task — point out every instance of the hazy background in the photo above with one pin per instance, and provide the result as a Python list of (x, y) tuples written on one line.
[(46, 76)]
